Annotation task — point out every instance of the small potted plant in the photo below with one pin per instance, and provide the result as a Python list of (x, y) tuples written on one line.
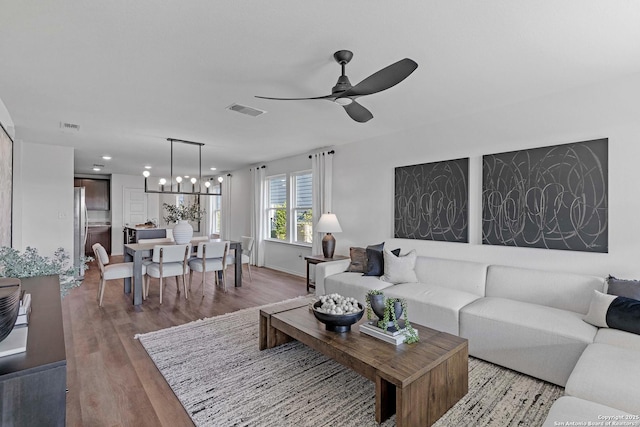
[(181, 215), (389, 311)]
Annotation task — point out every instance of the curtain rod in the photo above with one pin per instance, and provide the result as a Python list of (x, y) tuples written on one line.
[(328, 152)]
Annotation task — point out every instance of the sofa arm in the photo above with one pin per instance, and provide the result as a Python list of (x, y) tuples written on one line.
[(326, 269)]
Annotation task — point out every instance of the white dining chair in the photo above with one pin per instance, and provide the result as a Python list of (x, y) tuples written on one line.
[(211, 256), (110, 271), (245, 256), (168, 261)]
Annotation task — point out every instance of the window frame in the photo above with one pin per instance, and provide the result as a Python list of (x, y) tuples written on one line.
[(290, 208)]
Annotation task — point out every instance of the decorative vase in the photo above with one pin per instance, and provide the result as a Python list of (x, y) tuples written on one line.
[(182, 232), (378, 306)]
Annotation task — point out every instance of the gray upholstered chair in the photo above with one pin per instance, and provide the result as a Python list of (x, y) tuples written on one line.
[(211, 256), (168, 261), (110, 271)]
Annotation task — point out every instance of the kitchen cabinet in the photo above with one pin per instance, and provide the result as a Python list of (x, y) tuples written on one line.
[(98, 234), (97, 193)]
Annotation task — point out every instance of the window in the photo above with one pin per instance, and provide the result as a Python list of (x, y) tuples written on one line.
[(215, 207), (301, 208), (289, 208)]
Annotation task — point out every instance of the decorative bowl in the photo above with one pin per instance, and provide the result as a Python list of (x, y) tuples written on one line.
[(337, 322), (9, 305)]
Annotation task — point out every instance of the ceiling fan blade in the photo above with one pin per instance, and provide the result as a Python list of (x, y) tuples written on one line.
[(357, 112), (383, 79), (329, 97)]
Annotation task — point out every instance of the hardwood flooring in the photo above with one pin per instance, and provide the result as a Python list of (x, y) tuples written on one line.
[(110, 378)]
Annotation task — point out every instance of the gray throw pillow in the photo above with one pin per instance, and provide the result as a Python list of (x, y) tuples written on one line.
[(399, 269), (358, 260), (623, 288)]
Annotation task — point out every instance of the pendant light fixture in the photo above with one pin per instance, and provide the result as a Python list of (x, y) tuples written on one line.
[(175, 185)]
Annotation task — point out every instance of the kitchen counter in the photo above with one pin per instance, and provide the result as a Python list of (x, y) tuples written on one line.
[(133, 233)]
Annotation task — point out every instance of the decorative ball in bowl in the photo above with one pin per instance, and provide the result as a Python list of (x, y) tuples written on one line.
[(338, 313)]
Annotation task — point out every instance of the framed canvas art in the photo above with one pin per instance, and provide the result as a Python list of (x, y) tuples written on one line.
[(431, 201), (550, 197)]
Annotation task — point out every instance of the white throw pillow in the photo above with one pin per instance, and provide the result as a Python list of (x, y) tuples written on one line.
[(399, 269), (597, 314)]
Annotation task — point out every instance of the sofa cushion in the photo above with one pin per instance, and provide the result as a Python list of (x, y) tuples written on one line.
[(399, 269), (540, 341), (623, 288), (437, 307), (569, 409), (358, 260), (353, 285), (375, 262), (610, 311), (618, 338), (565, 291), (465, 276), (608, 375)]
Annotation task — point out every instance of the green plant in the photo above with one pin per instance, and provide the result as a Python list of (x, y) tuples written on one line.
[(368, 299), (389, 315), (183, 212), (30, 264)]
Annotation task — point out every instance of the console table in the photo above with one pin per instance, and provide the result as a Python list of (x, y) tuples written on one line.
[(317, 259), (33, 384)]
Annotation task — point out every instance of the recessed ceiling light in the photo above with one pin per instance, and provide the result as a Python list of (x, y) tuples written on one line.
[(147, 167), (186, 176), (96, 169), (212, 169), (106, 157)]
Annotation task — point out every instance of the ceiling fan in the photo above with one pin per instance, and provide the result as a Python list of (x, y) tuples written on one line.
[(343, 93)]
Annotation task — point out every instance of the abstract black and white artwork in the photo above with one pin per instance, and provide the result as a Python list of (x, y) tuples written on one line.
[(550, 197), (431, 201)]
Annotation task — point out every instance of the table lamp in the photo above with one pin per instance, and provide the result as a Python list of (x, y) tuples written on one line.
[(328, 223)]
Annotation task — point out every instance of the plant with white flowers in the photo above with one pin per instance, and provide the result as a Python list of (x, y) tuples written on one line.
[(338, 304)]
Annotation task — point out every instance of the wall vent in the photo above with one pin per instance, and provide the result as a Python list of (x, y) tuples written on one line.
[(243, 109), (69, 127)]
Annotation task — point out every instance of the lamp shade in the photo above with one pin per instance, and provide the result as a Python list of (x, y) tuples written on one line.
[(328, 223)]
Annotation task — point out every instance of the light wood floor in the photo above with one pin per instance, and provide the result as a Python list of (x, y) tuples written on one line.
[(111, 380)]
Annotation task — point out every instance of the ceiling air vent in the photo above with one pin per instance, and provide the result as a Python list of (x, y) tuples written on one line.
[(69, 127), (250, 111)]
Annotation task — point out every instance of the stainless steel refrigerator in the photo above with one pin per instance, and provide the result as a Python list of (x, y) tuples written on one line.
[(80, 225)]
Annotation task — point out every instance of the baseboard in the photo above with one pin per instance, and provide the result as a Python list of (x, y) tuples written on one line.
[(285, 270)]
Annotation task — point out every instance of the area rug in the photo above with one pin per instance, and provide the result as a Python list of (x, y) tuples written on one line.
[(215, 369)]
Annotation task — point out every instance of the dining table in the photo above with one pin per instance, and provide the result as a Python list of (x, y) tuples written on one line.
[(137, 251)]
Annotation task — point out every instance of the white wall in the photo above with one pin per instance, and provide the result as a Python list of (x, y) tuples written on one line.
[(6, 121), (118, 184), (363, 179), (43, 197), (278, 256), (240, 203)]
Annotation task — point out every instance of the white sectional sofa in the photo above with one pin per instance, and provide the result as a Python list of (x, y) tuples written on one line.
[(527, 320)]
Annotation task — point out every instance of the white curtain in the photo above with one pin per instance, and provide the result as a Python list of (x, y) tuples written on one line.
[(322, 171), (225, 209), (258, 213)]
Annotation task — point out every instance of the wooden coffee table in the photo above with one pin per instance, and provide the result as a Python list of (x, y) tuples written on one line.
[(419, 382)]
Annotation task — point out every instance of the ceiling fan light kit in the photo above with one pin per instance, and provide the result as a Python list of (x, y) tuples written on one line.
[(344, 94)]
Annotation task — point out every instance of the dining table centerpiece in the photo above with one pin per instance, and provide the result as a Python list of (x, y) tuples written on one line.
[(181, 215)]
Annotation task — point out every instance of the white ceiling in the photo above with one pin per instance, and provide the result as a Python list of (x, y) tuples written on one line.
[(133, 73)]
